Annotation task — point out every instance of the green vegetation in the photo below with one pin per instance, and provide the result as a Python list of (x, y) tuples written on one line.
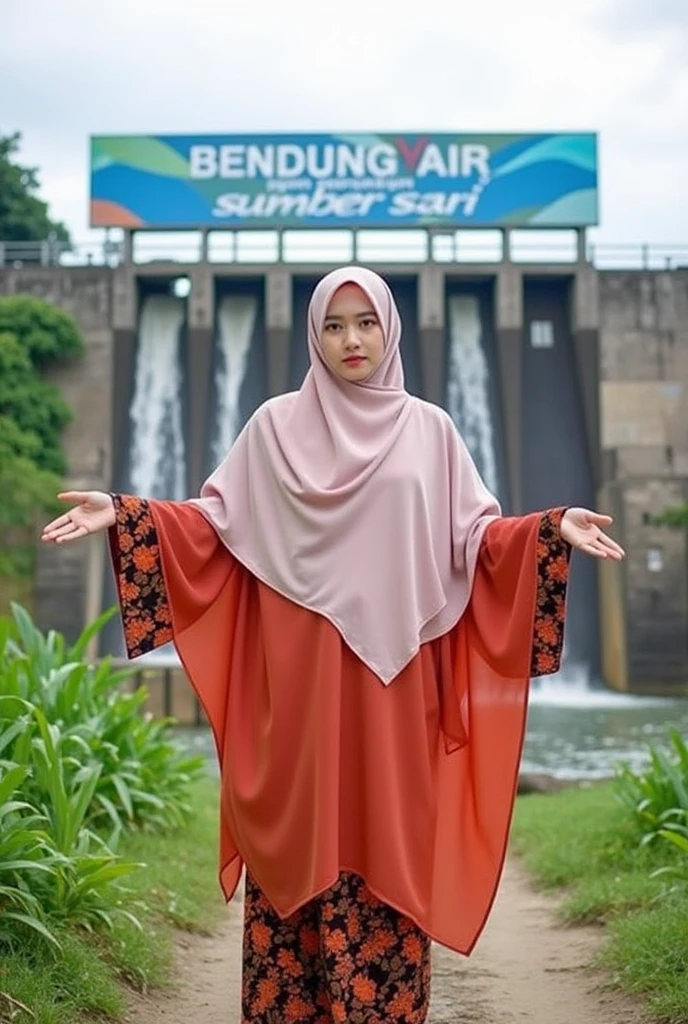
[(23, 216), (90, 790), (177, 888), (33, 337), (620, 852), (658, 799), (676, 516)]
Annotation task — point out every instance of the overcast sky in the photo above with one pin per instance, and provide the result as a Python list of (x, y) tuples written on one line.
[(73, 68)]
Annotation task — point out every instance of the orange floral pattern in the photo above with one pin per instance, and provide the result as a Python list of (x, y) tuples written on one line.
[(318, 969), (145, 609), (553, 555)]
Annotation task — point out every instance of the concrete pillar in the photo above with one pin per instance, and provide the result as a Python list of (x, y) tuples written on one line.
[(509, 317), (199, 370), (613, 613), (581, 245), (128, 246), (431, 332), (278, 328), (123, 368), (124, 326), (586, 339), (124, 298), (203, 255)]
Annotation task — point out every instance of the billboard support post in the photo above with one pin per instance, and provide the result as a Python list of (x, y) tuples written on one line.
[(127, 246), (203, 255), (506, 245), (581, 245)]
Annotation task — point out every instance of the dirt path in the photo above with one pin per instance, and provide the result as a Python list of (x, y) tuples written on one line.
[(526, 968)]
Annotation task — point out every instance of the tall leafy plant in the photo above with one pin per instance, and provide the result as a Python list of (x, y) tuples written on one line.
[(657, 798), (79, 762)]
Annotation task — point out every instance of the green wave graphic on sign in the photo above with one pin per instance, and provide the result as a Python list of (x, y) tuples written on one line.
[(365, 139), (571, 149), (99, 157), (576, 208), (520, 217), (143, 153)]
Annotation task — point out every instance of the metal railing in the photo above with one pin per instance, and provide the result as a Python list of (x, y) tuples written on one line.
[(294, 247)]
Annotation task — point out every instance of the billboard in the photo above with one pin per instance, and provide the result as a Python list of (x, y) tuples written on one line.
[(329, 181)]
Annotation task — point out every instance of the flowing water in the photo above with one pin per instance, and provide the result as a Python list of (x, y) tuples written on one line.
[(578, 731), (468, 386), (236, 322), (157, 463)]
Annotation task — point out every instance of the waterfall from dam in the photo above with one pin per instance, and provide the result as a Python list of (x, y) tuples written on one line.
[(468, 386), (236, 320), (157, 461), (155, 465)]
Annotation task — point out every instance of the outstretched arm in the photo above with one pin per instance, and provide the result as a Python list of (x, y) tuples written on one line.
[(518, 613), (168, 561), (582, 529), (93, 511)]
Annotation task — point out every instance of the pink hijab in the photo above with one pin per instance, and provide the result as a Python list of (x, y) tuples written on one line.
[(356, 500)]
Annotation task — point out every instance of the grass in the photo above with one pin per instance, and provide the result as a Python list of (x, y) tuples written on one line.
[(582, 841), (178, 888)]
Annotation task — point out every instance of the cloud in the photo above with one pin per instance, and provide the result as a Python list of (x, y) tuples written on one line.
[(631, 16), (75, 68)]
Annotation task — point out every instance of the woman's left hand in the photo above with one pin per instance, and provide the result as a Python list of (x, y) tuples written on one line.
[(582, 529)]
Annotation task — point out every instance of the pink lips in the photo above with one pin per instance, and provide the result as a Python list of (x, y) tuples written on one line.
[(354, 360)]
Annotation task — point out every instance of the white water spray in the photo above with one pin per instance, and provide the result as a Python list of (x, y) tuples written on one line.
[(467, 386), (236, 321), (157, 466)]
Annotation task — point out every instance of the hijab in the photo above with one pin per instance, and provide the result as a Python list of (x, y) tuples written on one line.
[(356, 500)]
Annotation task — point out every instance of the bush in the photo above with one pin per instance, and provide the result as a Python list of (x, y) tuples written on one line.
[(676, 517), (35, 406), (46, 333), (658, 798), (27, 492), (34, 335), (79, 764)]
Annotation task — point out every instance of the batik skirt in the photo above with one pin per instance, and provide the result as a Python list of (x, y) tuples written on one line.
[(343, 958)]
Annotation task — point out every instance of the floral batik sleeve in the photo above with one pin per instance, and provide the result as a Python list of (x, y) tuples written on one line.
[(553, 556), (144, 606)]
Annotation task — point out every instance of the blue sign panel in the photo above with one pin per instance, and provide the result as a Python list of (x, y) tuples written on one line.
[(326, 181)]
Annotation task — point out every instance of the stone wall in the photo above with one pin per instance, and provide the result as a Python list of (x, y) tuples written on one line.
[(644, 436)]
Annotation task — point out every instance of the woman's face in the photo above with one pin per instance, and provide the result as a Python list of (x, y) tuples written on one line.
[(352, 338)]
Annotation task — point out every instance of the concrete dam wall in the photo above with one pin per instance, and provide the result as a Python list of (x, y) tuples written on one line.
[(568, 384)]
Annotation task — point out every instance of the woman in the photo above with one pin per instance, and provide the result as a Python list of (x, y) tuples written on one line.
[(360, 624)]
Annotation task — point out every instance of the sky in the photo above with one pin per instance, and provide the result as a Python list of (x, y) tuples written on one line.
[(617, 67)]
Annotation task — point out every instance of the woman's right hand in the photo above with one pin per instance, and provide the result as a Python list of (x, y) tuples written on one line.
[(94, 511)]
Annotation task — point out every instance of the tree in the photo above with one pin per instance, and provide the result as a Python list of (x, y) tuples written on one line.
[(23, 216), (33, 414)]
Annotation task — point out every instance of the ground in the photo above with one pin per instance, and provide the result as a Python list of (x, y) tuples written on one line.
[(526, 967)]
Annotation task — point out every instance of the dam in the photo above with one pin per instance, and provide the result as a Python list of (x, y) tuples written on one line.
[(567, 376)]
